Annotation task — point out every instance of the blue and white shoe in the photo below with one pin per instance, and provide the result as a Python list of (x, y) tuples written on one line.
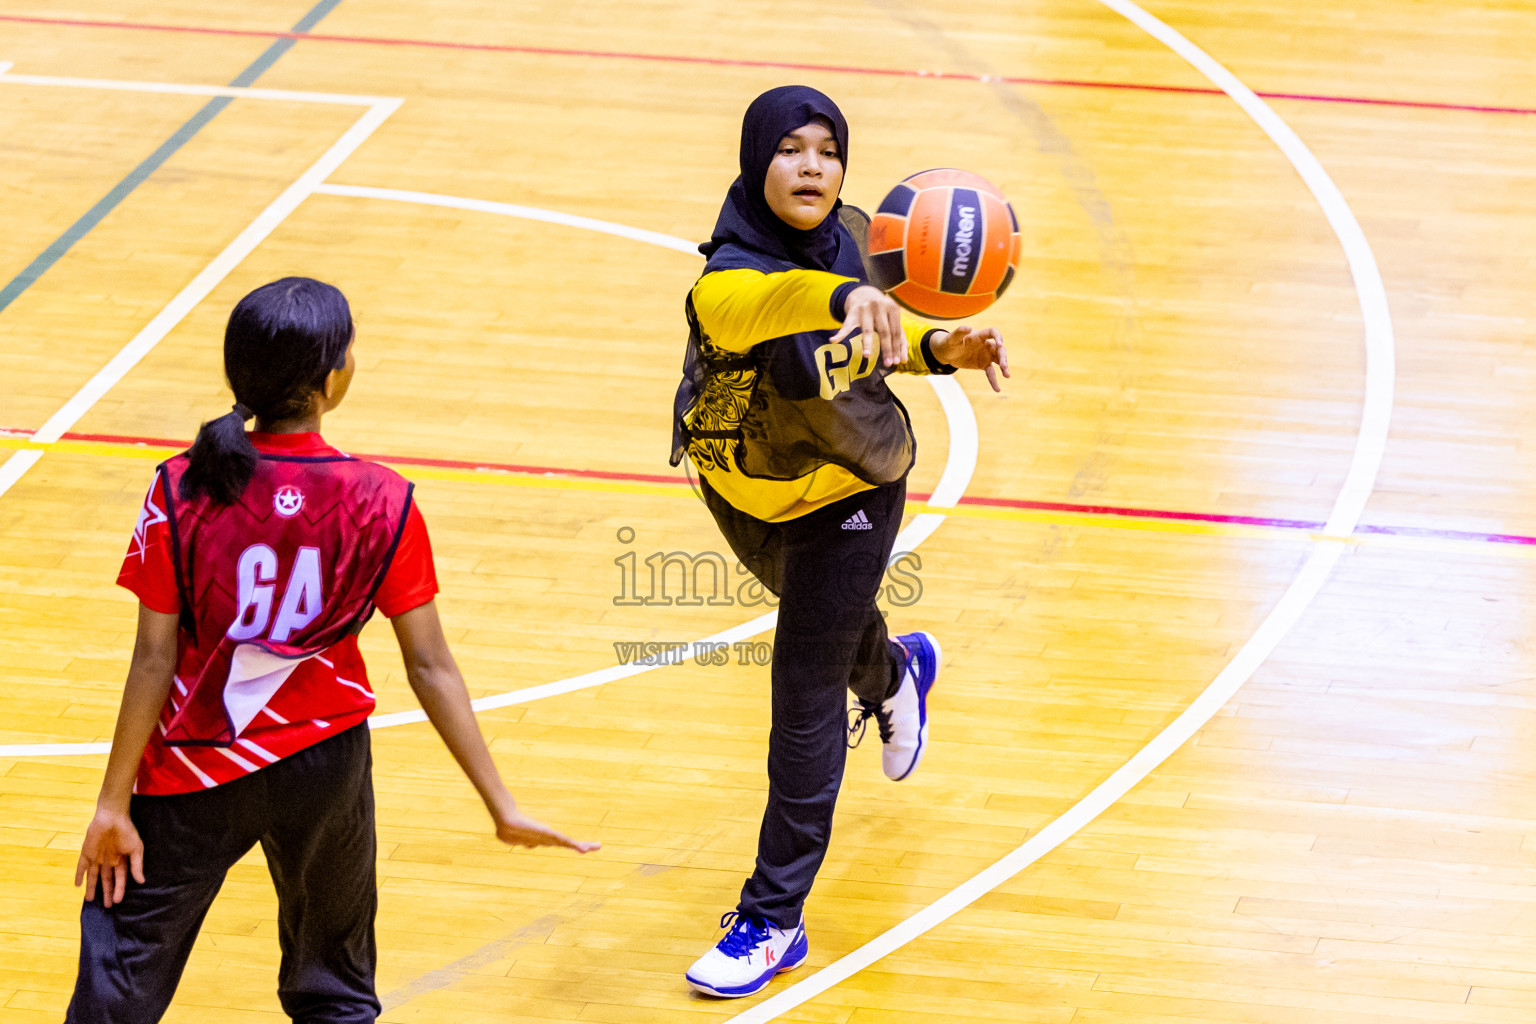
[(752, 952), (903, 717)]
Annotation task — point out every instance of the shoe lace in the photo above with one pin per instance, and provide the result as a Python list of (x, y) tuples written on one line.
[(745, 933), (858, 718), (858, 722)]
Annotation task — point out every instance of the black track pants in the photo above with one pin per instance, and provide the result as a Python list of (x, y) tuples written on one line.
[(826, 568), (312, 812)]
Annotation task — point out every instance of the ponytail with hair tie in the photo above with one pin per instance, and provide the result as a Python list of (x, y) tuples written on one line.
[(221, 460)]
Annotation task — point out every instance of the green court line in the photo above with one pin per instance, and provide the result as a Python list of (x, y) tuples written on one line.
[(123, 189)]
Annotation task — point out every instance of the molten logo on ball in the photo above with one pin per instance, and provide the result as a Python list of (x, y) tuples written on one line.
[(963, 237)]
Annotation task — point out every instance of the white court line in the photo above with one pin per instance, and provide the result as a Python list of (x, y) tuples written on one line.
[(54, 749), (1347, 507), (1297, 597), (178, 89), (1380, 369), (209, 278), (607, 227), (15, 467), (959, 466)]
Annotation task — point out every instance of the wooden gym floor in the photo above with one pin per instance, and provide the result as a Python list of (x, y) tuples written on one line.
[(1201, 383)]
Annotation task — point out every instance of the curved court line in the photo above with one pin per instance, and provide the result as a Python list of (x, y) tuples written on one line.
[(571, 220), (1345, 516), (1380, 367), (959, 467), (964, 443), (1341, 523), (1297, 597)]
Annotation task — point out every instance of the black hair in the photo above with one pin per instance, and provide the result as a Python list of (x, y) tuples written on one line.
[(283, 339)]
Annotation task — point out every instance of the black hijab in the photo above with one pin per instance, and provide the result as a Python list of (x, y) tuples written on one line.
[(746, 219)]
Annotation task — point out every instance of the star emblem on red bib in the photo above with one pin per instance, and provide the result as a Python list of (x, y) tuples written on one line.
[(288, 500)]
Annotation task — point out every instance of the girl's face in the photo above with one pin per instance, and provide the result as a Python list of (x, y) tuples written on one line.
[(805, 177)]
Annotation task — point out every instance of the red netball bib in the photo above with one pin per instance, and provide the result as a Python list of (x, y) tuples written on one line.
[(276, 578)]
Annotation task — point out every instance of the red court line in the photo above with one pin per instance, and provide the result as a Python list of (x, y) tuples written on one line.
[(399, 460), (322, 37), (1117, 511), (1141, 513), (1425, 532)]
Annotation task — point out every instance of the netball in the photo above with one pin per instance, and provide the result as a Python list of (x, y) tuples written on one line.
[(944, 243)]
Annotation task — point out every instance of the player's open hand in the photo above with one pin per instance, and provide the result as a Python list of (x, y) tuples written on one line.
[(112, 849), (967, 348), (877, 316), (518, 829)]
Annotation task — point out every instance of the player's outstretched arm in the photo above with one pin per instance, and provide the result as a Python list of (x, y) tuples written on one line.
[(971, 348), (435, 678), (112, 847)]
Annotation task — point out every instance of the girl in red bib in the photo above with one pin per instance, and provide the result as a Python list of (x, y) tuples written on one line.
[(256, 559)]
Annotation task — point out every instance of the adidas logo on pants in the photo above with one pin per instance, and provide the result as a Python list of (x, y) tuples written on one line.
[(858, 521)]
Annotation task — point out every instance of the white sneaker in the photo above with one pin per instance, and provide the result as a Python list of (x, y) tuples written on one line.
[(748, 957), (903, 717)]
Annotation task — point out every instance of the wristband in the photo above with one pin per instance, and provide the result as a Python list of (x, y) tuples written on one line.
[(934, 366)]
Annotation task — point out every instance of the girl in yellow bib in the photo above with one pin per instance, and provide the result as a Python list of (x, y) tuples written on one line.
[(803, 453)]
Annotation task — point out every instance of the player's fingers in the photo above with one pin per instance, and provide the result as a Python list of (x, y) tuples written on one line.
[(537, 834), (992, 378), (80, 868), (119, 881), (560, 839), (850, 322), (110, 868), (136, 861), (1002, 357), (977, 357), (869, 331), (894, 336)]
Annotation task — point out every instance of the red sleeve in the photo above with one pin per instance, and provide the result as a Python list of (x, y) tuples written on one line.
[(412, 579), (148, 571)]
